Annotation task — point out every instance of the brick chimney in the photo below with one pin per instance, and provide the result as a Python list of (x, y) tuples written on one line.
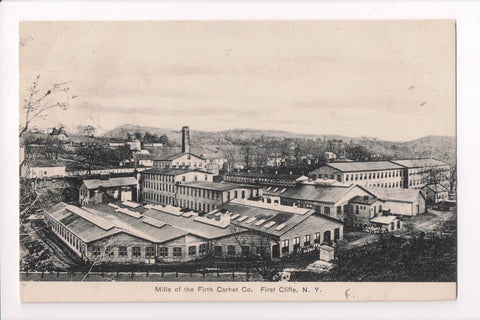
[(185, 140)]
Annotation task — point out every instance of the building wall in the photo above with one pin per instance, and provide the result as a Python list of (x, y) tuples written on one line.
[(66, 236), (114, 243), (362, 213), (257, 244), (206, 200), (314, 227), (417, 178), (406, 208), (182, 161), (162, 188), (180, 249), (392, 178), (43, 172), (270, 181)]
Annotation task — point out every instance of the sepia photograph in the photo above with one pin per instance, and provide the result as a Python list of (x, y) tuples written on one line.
[(238, 160)]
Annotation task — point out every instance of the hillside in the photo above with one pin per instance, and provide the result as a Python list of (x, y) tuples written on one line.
[(438, 147)]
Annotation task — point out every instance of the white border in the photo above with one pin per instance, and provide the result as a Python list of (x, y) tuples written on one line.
[(467, 15)]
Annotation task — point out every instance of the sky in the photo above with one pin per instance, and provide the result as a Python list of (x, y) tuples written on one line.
[(393, 80)]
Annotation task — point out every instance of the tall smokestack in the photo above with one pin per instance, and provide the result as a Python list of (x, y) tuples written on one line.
[(185, 139)]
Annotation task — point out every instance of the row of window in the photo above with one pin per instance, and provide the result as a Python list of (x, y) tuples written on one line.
[(158, 198), (159, 186), (297, 243), (149, 251), (201, 193), (373, 175), (66, 235), (254, 180), (196, 206)]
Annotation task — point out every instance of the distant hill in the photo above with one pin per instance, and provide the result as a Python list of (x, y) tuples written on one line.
[(438, 147), (217, 137)]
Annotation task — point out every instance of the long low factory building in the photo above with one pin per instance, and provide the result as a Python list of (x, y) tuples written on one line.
[(126, 232)]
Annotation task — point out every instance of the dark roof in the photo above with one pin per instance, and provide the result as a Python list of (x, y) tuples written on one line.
[(110, 183), (172, 171), (395, 194), (98, 221), (284, 176), (320, 193), (217, 186), (420, 163), (175, 156), (270, 219), (361, 166), (188, 224), (362, 200)]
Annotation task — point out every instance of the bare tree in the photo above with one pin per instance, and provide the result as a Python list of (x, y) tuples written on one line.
[(40, 101)]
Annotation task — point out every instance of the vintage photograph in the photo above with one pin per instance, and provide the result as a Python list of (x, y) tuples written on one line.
[(238, 151)]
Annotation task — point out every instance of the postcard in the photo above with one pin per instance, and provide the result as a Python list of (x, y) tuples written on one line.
[(257, 160)]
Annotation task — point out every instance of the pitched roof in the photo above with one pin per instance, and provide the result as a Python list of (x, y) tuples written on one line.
[(383, 219), (175, 156), (188, 224), (420, 163), (395, 194), (361, 166), (320, 193), (362, 200), (217, 186), (270, 219), (110, 183), (98, 221), (172, 171)]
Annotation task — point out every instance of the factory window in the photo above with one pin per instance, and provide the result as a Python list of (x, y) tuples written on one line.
[(339, 210), (136, 251), (316, 237), (356, 177), (217, 251), (296, 243), (177, 252), (96, 251), (307, 240), (231, 250), (163, 252), (285, 246), (109, 252), (149, 252), (192, 251), (122, 252), (202, 249), (346, 177), (336, 234), (327, 210)]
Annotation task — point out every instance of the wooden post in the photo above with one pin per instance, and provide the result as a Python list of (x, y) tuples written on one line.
[(233, 271), (204, 272), (218, 272), (147, 273), (163, 270), (176, 273), (42, 274)]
